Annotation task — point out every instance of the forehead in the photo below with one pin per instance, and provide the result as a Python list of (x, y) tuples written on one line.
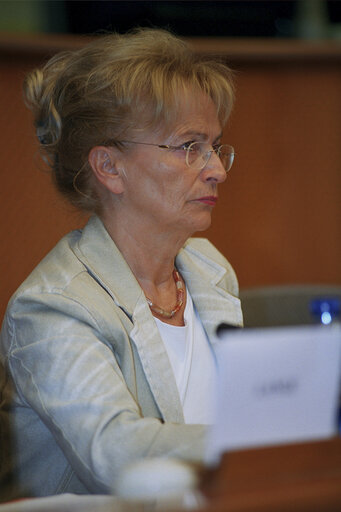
[(189, 113), (195, 114)]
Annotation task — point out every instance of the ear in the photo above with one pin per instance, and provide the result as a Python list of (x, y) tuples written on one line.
[(104, 163)]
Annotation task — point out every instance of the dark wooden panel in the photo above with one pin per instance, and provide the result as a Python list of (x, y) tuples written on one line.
[(279, 215)]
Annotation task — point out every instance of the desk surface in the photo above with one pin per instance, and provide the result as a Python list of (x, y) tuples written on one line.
[(299, 477)]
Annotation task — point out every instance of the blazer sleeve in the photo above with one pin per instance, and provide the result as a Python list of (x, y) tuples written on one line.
[(64, 370)]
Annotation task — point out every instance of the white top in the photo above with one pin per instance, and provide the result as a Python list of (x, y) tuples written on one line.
[(193, 363)]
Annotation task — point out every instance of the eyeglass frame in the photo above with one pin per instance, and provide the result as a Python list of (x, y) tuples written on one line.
[(181, 147)]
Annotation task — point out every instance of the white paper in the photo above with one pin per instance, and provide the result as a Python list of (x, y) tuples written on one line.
[(275, 385)]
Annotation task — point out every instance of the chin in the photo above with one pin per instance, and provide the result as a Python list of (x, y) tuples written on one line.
[(202, 224)]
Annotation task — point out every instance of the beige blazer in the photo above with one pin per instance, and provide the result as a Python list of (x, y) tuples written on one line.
[(90, 385)]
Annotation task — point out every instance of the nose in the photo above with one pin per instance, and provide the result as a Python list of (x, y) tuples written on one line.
[(214, 170)]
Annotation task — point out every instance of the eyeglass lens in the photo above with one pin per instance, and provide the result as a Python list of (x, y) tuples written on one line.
[(199, 153)]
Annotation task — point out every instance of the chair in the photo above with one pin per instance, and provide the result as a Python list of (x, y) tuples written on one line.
[(283, 305)]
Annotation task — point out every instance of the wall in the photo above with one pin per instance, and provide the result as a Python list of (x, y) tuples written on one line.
[(279, 213)]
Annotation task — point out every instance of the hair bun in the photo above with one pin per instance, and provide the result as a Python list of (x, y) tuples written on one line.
[(38, 93)]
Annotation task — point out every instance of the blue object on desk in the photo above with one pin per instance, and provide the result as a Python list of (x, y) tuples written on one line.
[(326, 310)]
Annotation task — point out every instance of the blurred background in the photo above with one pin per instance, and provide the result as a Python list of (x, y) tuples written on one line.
[(279, 213), (255, 18)]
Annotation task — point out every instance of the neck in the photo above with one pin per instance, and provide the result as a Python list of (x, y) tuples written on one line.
[(149, 252)]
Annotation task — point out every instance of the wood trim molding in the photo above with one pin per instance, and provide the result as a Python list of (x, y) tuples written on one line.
[(237, 50)]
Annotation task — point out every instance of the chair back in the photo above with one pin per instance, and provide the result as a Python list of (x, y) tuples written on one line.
[(283, 305)]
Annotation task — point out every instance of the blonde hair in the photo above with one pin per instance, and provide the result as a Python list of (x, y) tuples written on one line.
[(81, 99)]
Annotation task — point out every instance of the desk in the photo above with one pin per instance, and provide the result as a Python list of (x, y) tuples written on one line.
[(298, 477), (302, 477)]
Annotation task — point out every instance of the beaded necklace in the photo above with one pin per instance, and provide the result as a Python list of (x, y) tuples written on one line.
[(179, 299)]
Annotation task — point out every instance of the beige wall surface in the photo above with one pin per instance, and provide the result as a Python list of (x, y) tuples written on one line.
[(279, 213)]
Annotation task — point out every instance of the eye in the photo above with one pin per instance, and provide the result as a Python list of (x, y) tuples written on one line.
[(186, 145)]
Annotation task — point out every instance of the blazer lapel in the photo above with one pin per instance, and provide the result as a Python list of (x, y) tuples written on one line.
[(214, 304), (100, 255), (155, 362)]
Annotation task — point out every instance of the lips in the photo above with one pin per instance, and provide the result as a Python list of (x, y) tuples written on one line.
[(209, 200)]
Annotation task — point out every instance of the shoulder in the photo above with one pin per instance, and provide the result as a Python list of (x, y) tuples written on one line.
[(56, 270), (202, 250), (60, 294), (59, 285)]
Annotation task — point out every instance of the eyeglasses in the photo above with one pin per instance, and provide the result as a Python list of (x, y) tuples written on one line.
[(198, 153)]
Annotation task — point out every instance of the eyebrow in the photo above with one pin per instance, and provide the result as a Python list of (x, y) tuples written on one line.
[(199, 135)]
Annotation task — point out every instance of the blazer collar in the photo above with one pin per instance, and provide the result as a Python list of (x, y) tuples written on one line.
[(100, 255), (204, 280), (104, 261)]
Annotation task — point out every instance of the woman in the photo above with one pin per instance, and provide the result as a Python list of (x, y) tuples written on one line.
[(108, 343)]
